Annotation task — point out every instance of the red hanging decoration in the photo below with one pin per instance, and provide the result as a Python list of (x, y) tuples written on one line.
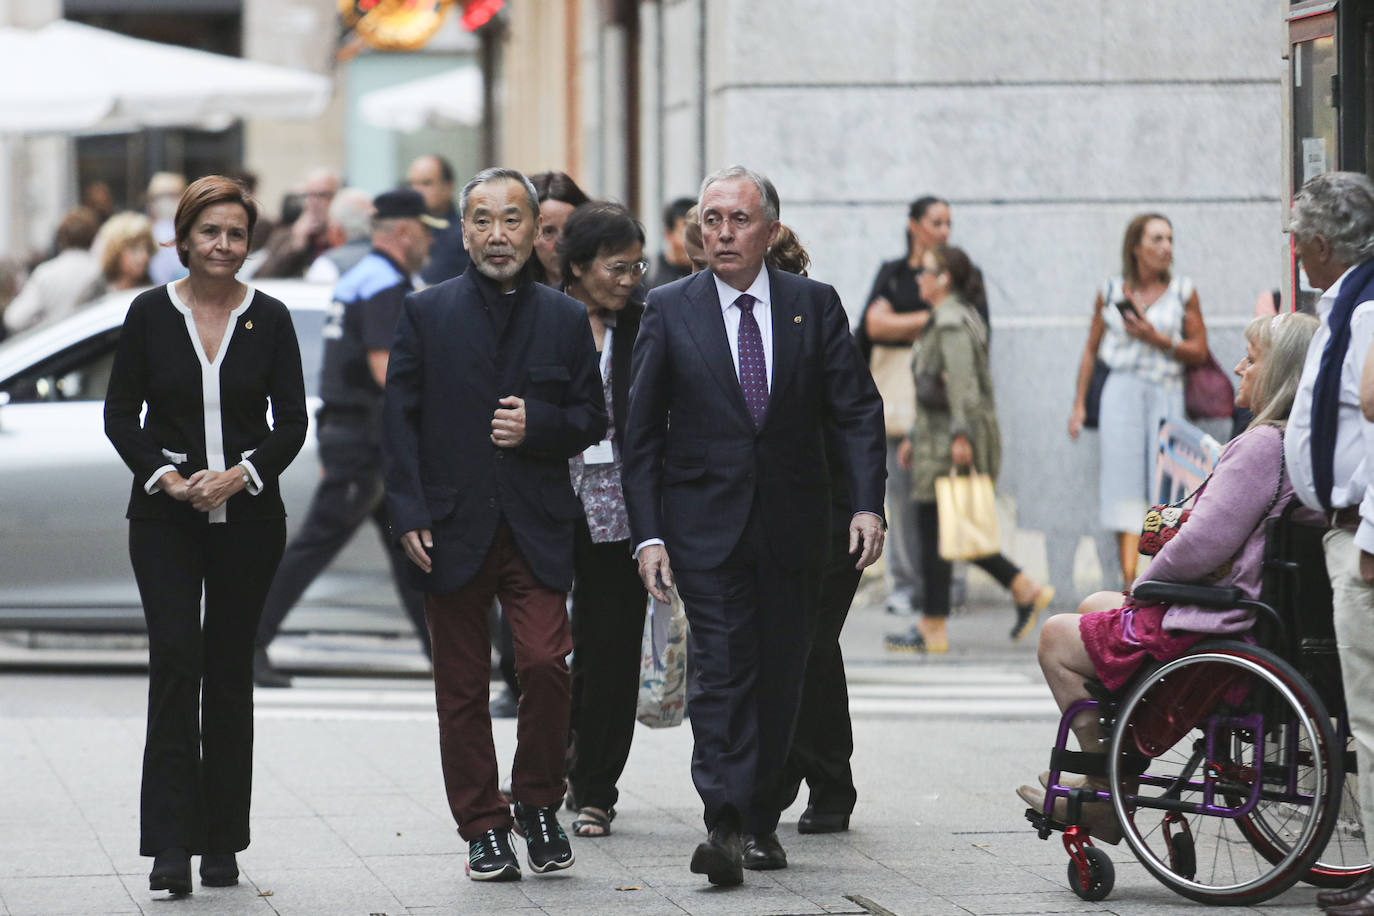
[(477, 13)]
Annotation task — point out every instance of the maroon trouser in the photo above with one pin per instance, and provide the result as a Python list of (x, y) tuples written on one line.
[(462, 685)]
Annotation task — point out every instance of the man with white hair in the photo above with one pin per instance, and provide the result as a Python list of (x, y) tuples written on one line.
[(350, 232), (739, 373), (1328, 446)]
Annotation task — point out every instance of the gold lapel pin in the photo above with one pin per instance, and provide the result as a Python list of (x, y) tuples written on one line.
[(796, 319), (248, 325)]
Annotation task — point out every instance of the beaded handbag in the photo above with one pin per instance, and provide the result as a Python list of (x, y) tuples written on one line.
[(1163, 522)]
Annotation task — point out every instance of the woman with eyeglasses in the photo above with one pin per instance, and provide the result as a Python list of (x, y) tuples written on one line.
[(601, 259)]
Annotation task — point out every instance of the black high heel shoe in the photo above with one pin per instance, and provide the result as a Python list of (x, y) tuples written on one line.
[(171, 872), (219, 870)]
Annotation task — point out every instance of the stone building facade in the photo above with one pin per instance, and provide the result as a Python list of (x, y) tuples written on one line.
[(1046, 125)]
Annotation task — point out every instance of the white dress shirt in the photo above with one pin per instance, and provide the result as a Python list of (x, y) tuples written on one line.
[(1354, 454), (763, 314)]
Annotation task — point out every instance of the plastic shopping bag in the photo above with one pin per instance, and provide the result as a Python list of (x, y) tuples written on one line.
[(663, 664)]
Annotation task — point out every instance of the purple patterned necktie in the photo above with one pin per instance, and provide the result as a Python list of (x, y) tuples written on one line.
[(753, 372)]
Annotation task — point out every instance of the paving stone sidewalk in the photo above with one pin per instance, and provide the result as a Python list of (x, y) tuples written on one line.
[(349, 814)]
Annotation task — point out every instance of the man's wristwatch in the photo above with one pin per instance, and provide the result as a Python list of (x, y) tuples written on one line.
[(243, 472)]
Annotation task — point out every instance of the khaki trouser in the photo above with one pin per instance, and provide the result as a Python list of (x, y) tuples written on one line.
[(1353, 604)]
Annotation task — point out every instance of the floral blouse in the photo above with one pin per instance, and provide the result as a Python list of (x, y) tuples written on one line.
[(598, 485)]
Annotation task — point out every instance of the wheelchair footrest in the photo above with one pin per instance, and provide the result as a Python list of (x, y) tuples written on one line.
[(1043, 824)]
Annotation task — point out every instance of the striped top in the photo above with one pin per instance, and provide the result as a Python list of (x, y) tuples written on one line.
[(1123, 353)]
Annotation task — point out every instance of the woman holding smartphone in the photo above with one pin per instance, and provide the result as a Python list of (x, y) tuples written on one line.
[(1147, 327)]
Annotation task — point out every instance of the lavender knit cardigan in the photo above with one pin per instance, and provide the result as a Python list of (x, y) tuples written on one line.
[(1227, 523)]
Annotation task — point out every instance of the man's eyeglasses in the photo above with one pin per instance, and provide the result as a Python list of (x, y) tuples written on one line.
[(621, 269)]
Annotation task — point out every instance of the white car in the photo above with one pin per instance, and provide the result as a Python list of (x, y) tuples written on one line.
[(64, 558)]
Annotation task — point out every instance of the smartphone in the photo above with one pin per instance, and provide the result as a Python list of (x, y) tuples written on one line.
[(1125, 305)]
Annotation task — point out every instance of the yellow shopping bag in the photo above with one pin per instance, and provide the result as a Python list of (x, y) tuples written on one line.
[(968, 516)]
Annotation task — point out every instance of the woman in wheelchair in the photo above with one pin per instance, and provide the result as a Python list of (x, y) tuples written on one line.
[(1221, 545)]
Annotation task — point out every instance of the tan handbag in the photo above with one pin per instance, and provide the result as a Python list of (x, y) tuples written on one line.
[(891, 368), (967, 507)]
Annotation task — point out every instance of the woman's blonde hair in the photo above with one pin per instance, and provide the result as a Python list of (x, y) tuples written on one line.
[(1282, 341), (119, 233)]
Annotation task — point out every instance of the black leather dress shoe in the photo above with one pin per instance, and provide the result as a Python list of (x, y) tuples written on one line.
[(763, 852), (1361, 906), (171, 872), (219, 870), (1344, 895), (719, 858), (813, 821)]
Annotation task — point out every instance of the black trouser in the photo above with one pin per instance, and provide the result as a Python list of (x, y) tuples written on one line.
[(350, 493), (609, 602), (750, 622), (198, 757), (824, 740), (937, 571)]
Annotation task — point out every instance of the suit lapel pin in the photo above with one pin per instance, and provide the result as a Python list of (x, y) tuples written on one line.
[(796, 319), (248, 325)]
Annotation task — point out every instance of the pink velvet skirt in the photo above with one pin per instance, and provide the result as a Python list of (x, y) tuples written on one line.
[(1120, 641)]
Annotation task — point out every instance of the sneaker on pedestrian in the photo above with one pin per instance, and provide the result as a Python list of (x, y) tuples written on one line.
[(909, 641), (546, 845), (899, 603), (491, 857)]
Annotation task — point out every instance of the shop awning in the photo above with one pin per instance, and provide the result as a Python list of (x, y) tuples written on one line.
[(66, 77), (453, 97)]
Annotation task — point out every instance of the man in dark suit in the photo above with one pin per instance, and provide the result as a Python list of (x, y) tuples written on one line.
[(736, 372), (492, 385), (432, 176)]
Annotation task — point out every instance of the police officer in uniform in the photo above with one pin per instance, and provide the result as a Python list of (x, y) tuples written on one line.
[(357, 341)]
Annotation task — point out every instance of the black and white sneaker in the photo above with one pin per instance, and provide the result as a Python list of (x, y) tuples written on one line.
[(491, 857), (546, 844)]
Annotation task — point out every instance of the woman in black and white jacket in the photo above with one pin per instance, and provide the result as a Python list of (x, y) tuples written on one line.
[(207, 354)]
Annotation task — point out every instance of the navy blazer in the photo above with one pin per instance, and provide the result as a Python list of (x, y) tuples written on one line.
[(694, 465), (622, 351), (446, 373)]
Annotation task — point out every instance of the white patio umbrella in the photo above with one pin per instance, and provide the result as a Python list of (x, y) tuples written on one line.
[(67, 77), (444, 99)]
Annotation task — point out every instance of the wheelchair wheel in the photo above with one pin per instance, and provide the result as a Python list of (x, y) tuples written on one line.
[(1238, 799), (1101, 875)]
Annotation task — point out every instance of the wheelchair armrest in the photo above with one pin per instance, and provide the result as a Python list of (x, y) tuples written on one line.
[(1176, 593), (1207, 596)]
